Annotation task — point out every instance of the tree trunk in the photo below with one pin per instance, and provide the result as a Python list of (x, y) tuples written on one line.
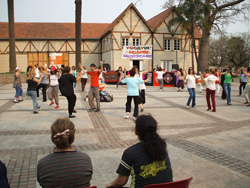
[(12, 48), (203, 54), (78, 32)]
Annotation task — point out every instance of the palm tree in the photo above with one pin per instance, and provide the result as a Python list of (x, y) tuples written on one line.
[(190, 15), (78, 32), (12, 48)]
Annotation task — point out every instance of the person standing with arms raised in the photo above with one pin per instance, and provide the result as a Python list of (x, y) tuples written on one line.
[(94, 86)]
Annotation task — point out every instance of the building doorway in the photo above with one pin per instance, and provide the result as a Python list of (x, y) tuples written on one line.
[(137, 64)]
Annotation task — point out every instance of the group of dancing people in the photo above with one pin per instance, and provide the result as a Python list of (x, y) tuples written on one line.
[(61, 79), (213, 79)]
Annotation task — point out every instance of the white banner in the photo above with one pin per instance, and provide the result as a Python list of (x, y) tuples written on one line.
[(137, 52)]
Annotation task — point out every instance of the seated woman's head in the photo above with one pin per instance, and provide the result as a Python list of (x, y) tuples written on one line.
[(63, 133), (154, 145)]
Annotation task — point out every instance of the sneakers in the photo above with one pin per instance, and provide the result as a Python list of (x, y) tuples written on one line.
[(20, 100), (187, 107), (35, 112), (91, 109), (74, 111), (142, 110), (126, 116), (38, 107), (57, 106), (72, 116), (246, 102), (51, 103), (16, 101), (134, 118), (97, 110)]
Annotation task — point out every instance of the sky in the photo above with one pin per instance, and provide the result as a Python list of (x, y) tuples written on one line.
[(93, 11)]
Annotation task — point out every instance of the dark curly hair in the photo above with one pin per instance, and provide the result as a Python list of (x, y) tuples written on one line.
[(154, 145)]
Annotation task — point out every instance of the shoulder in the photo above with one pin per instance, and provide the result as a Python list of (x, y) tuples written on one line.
[(135, 148)]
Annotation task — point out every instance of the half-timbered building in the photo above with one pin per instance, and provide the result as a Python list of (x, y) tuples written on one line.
[(41, 42)]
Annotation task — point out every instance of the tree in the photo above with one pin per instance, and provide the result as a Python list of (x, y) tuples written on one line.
[(238, 51), (217, 52), (78, 32), (231, 51), (12, 46), (215, 14), (190, 16)]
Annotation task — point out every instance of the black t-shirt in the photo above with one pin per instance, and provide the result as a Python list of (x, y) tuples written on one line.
[(66, 84), (31, 85), (3, 176), (136, 163)]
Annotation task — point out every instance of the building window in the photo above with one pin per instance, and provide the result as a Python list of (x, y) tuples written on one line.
[(177, 44), (136, 42), (167, 44), (124, 42)]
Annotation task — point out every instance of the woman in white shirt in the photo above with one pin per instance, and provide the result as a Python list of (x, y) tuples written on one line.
[(191, 85), (160, 73), (54, 86), (211, 89)]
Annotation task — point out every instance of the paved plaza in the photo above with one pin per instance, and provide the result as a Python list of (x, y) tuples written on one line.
[(213, 148)]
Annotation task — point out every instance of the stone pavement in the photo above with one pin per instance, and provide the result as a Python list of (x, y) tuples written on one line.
[(213, 148)]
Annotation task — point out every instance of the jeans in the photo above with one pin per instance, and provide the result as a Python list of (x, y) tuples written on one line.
[(128, 104), (19, 91), (191, 96), (227, 89), (242, 85), (33, 96)]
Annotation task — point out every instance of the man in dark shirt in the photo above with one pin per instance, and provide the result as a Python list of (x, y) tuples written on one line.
[(66, 87)]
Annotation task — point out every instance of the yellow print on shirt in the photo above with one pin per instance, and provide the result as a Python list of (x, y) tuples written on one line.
[(152, 169)]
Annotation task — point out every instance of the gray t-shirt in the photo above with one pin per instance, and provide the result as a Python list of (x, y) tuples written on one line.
[(44, 79)]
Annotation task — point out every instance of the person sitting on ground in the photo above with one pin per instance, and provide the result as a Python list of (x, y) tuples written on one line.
[(65, 167), (147, 161), (3, 176)]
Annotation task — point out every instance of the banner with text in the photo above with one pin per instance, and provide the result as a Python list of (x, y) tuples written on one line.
[(137, 52)]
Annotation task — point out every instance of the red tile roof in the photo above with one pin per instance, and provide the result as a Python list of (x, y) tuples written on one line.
[(53, 30), (156, 21), (67, 30)]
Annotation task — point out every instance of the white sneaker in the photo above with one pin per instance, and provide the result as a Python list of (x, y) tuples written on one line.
[(187, 107), (134, 118), (127, 116)]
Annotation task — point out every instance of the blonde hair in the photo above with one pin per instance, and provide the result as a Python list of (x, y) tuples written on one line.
[(59, 126), (31, 74)]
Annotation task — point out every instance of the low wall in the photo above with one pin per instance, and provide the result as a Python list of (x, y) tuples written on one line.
[(9, 78)]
